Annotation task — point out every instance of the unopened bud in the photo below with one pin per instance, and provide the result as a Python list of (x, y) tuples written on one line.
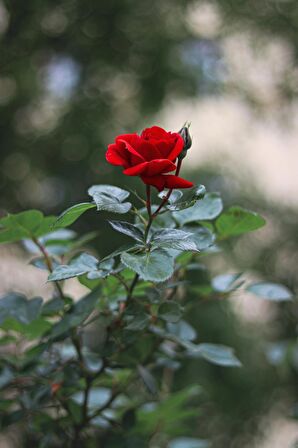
[(184, 132)]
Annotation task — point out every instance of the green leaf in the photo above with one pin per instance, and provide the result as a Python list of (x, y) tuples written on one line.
[(98, 397), (155, 266), (70, 215), (216, 354), (271, 291), (170, 311), (110, 198), (190, 197), (125, 248), (28, 224), (53, 306), (174, 197), (173, 412), (84, 264), (79, 266), (148, 379), (6, 375), (202, 236), (206, 209), (77, 314), (182, 330), (238, 220), (128, 229), (16, 306), (174, 239), (138, 322), (187, 442), (226, 282)]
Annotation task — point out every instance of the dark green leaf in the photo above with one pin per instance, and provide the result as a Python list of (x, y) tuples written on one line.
[(77, 314), (271, 291), (128, 419), (53, 306), (138, 322), (18, 307), (155, 266), (170, 311), (174, 239), (110, 198), (206, 209), (237, 220), (70, 215), (128, 229)]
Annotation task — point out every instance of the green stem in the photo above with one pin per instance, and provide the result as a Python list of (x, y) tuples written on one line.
[(165, 200), (49, 264)]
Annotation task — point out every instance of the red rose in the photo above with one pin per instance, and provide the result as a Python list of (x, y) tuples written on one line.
[(151, 156)]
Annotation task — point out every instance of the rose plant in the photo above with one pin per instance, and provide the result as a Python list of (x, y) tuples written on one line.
[(98, 371)]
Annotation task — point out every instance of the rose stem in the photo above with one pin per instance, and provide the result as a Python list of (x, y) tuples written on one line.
[(166, 198)]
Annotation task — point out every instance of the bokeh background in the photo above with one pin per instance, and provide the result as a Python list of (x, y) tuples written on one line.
[(75, 73)]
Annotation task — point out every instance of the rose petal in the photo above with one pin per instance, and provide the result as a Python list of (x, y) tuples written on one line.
[(154, 132), (159, 166), (115, 156), (132, 143), (149, 151), (172, 181), (177, 148), (136, 170), (156, 181)]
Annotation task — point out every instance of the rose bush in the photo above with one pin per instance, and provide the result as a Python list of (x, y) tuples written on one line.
[(151, 155), (65, 388)]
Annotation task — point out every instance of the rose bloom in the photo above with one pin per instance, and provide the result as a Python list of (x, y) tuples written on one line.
[(151, 155)]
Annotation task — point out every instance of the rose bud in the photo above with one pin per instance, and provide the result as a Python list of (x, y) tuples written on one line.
[(184, 132)]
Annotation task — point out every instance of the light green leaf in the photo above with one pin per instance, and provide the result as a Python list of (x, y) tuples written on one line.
[(148, 379), (225, 282), (174, 239), (155, 266), (182, 330), (271, 291), (70, 215), (128, 229), (84, 264), (187, 442), (81, 265), (110, 198), (170, 311), (190, 197), (28, 224), (206, 209), (174, 197), (6, 375), (216, 354), (202, 236), (238, 220)]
